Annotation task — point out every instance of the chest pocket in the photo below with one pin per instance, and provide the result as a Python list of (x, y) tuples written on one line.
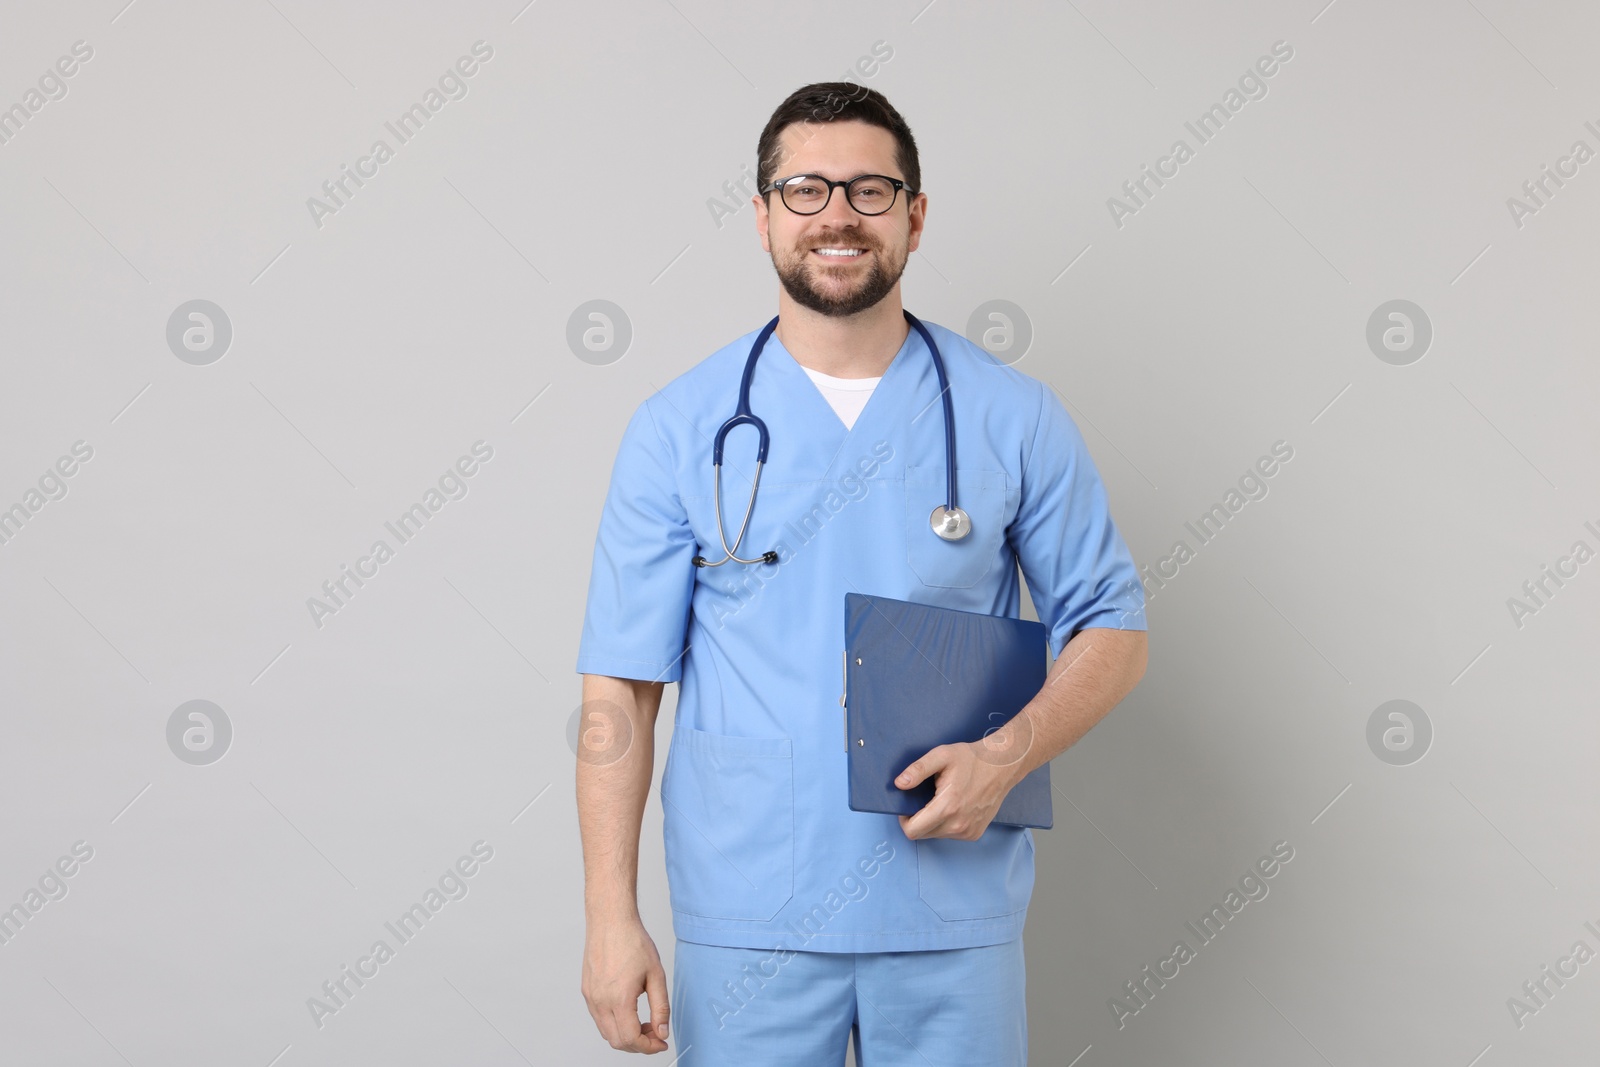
[(984, 496)]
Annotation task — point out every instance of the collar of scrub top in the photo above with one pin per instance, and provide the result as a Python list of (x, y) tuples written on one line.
[(947, 520)]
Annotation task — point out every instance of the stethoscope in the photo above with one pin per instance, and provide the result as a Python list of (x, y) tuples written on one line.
[(947, 520)]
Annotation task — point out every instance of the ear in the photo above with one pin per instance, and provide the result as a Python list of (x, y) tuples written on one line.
[(916, 219), (763, 219)]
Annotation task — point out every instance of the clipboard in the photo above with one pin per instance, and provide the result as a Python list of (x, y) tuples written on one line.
[(917, 676)]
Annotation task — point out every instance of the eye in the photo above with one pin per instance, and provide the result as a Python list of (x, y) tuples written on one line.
[(866, 190)]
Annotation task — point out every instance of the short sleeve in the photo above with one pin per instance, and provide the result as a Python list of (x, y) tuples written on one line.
[(635, 622), (1079, 571)]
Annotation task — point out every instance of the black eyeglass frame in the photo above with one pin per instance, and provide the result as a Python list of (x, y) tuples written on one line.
[(776, 185)]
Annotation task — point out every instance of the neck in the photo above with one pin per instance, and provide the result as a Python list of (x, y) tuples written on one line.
[(852, 346)]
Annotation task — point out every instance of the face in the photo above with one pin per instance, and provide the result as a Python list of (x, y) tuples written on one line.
[(867, 253)]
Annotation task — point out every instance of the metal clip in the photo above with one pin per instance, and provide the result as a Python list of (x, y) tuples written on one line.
[(844, 713)]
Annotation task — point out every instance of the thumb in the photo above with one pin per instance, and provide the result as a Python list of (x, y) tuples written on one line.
[(655, 988)]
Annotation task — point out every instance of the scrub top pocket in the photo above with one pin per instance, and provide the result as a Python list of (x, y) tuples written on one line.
[(983, 879), (728, 824), (982, 494)]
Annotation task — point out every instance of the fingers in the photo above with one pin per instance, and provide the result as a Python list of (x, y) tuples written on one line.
[(617, 1019), (925, 823), (625, 1033), (655, 989), (931, 763), (960, 829)]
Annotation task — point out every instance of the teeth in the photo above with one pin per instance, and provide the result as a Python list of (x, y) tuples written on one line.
[(846, 252)]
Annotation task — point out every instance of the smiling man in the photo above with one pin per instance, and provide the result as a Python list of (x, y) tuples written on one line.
[(802, 925)]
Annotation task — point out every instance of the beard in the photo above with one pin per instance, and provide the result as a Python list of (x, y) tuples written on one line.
[(816, 286)]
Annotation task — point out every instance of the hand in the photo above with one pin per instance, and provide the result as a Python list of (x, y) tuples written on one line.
[(619, 963), (966, 794)]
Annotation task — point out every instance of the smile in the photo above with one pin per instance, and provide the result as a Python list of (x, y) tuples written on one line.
[(840, 253)]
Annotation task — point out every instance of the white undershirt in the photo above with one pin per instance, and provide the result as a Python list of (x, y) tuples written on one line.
[(847, 396)]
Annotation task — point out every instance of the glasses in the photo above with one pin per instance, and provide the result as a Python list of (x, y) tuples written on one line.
[(869, 194)]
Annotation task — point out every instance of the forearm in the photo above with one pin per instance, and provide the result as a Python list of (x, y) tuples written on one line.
[(1095, 670), (616, 759)]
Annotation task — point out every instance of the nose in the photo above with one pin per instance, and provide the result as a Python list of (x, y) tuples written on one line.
[(839, 214)]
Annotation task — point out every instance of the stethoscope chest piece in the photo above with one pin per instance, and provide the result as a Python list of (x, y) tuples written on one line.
[(948, 524)]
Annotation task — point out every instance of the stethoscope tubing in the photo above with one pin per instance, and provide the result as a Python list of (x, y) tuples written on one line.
[(743, 414), (949, 411)]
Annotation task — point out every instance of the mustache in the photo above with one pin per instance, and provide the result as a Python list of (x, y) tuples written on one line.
[(854, 239)]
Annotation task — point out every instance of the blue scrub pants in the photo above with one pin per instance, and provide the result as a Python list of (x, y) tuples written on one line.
[(742, 1007)]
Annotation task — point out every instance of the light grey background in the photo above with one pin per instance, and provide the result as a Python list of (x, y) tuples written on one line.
[(431, 311)]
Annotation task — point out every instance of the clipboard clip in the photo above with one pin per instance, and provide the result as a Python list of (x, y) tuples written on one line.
[(844, 692)]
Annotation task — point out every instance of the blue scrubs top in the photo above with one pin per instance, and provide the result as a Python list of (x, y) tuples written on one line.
[(762, 849)]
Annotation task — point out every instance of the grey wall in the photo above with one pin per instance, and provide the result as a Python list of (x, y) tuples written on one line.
[(365, 752)]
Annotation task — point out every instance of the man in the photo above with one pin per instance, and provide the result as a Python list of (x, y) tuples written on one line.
[(801, 924)]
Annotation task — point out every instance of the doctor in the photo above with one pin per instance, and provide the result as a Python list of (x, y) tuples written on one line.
[(802, 925)]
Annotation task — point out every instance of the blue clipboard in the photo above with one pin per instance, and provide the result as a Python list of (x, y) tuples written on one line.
[(918, 676)]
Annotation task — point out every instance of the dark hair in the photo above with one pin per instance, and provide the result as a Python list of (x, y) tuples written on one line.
[(837, 102)]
